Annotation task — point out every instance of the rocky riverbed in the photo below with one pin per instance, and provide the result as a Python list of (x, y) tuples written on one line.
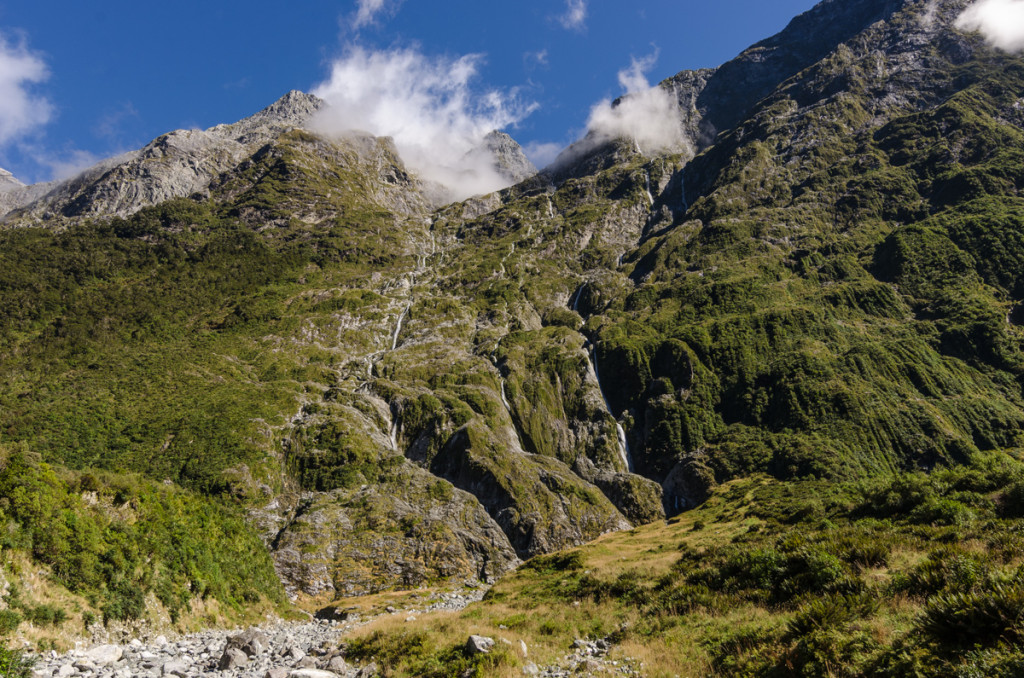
[(281, 649), (275, 650)]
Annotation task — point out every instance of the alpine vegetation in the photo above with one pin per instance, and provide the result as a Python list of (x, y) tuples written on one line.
[(734, 388)]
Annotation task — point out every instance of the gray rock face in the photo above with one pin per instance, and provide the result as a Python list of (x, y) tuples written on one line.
[(178, 164), (509, 158), (317, 551), (8, 182)]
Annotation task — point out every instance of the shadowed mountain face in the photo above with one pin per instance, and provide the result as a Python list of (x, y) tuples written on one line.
[(399, 393)]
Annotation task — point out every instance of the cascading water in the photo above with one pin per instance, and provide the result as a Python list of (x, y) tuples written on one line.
[(650, 198), (624, 451), (576, 301), (504, 398), (398, 327)]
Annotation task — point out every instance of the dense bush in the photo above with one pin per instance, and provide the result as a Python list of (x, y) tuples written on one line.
[(135, 537)]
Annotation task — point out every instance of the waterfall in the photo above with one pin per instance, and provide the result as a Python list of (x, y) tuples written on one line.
[(393, 434), (650, 198), (398, 327), (576, 301), (624, 451), (511, 417), (504, 398)]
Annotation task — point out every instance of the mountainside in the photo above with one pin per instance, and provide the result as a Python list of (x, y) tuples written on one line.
[(392, 391)]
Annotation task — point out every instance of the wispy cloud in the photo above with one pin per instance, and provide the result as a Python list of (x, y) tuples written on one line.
[(111, 124), (542, 154), (21, 110), (368, 10), (66, 165), (1000, 21), (649, 116), (575, 16), (533, 60), (428, 105)]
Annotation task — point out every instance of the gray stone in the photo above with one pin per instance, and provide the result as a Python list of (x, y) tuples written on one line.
[(276, 673), (105, 655), (479, 645), (175, 668), (311, 673), (85, 665), (251, 641), (232, 658), (338, 665), (368, 671), (65, 671)]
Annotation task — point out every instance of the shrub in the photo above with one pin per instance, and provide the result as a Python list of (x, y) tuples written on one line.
[(830, 612), (977, 618), (556, 562), (14, 664), (9, 621)]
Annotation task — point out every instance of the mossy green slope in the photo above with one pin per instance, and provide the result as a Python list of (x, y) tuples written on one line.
[(830, 289)]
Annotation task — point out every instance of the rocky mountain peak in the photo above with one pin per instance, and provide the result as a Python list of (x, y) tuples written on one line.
[(292, 110), (8, 181), (509, 158)]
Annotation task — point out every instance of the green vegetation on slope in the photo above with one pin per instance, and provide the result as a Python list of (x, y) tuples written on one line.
[(908, 576), (116, 539)]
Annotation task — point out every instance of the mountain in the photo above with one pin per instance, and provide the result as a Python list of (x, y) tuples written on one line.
[(184, 163), (823, 287), (8, 181)]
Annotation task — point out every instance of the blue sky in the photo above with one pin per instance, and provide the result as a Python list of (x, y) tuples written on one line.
[(80, 81)]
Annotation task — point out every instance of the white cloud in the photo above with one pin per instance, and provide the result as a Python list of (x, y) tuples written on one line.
[(542, 154), (71, 164), (367, 12), (21, 111), (537, 59), (575, 17), (648, 116), (428, 105), (1000, 21)]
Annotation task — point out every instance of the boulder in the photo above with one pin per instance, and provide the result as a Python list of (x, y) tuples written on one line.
[(177, 668), (338, 665), (251, 642), (232, 658), (479, 645), (105, 655), (368, 671)]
